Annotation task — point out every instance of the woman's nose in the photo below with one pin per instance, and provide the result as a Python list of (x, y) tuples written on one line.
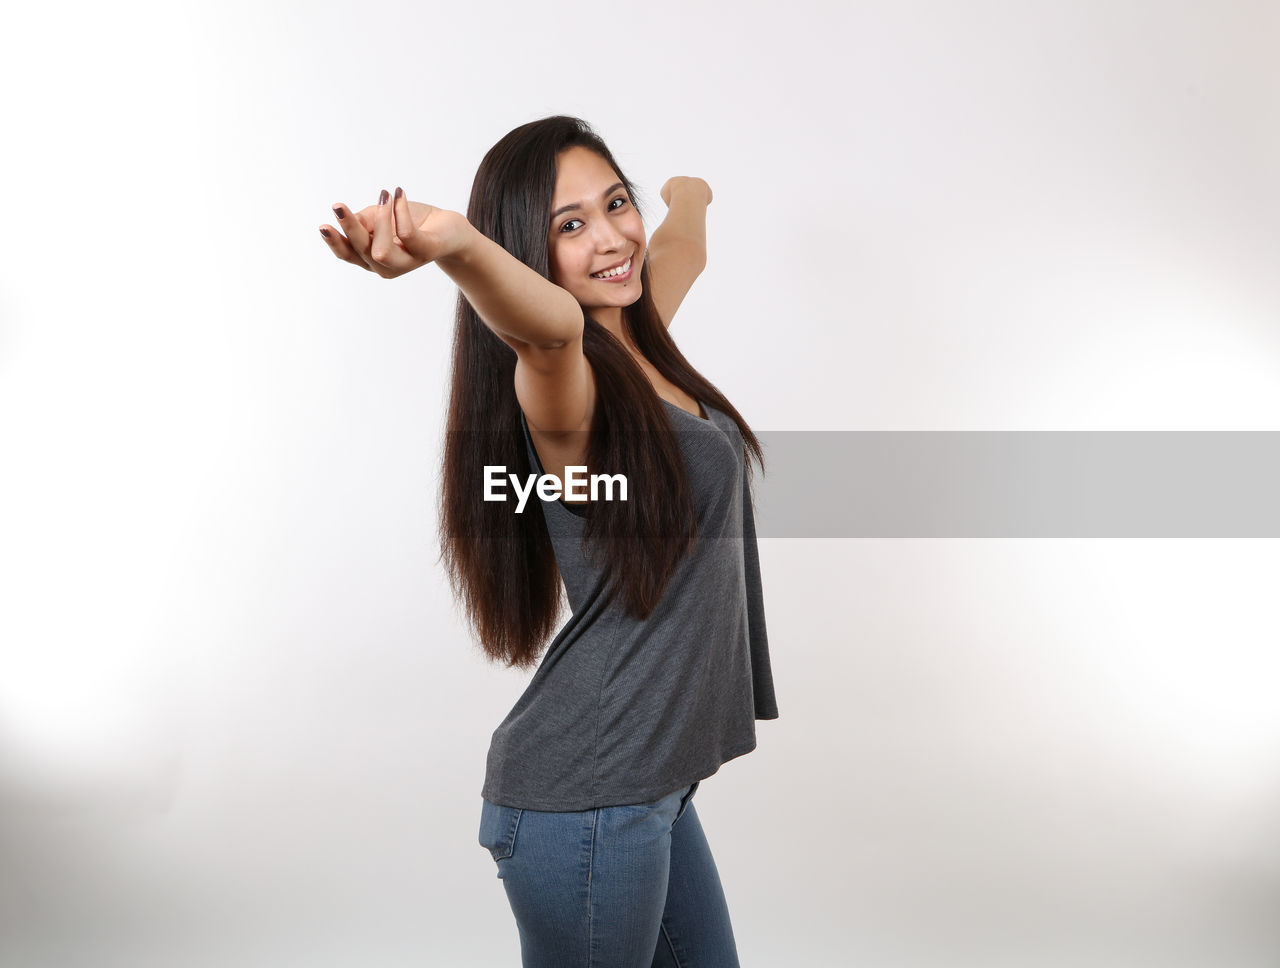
[(608, 237)]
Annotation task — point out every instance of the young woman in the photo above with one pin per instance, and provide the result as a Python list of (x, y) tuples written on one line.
[(561, 358)]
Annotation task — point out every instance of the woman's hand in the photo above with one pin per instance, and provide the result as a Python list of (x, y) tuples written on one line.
[(684, 182), (395, 236)]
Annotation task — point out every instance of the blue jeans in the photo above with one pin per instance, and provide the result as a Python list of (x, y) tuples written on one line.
[(614, 887)]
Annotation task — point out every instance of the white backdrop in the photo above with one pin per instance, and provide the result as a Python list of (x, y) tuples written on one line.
[(241, 723)]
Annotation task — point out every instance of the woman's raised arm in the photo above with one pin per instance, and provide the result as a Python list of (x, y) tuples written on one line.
[(541, 321), (520, 306), (678, 248)]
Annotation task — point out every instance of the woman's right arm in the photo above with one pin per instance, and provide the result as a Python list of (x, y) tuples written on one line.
[(541, 321)]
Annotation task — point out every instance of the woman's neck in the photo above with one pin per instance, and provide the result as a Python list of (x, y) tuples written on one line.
[(610, 317)]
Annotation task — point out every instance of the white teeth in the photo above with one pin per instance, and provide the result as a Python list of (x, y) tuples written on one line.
[(612, 272)]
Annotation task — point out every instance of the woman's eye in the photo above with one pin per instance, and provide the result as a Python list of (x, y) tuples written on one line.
[(621, 199)]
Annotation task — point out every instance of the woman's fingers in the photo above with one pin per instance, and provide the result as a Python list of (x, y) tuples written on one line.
[(338, 244), (365, 246), (414, 242), (357, 237), (383, 249), (371, 240), (366, 216)]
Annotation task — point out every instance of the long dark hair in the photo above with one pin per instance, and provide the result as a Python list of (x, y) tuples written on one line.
[(502, 565)]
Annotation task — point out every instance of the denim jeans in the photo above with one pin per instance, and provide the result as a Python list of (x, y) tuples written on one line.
[(614, 887)]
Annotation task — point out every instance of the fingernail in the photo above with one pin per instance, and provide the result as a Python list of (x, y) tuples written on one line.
[(399, 192), (325, 233), (382, 199), (337, 210)]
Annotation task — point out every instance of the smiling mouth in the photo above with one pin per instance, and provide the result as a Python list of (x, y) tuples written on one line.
[(619, 270)]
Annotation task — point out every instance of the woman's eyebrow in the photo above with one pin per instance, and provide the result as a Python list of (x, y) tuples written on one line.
[(569, 208)]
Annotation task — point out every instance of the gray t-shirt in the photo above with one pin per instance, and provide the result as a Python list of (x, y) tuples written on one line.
[(624, 710)]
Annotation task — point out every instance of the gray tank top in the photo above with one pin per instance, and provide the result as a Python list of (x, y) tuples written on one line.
[(623, 710)]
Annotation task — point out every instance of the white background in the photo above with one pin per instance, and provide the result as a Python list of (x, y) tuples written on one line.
[(241, 723)]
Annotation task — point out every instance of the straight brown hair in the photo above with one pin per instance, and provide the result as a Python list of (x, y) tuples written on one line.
[(501, 565)]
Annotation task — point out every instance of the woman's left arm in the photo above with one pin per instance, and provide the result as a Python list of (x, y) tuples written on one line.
[(678, 247)]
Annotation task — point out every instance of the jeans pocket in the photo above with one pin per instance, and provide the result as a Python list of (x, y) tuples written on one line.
[(498, 827), (684, 801)]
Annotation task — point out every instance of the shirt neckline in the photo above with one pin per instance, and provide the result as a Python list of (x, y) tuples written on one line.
[(701, 405)]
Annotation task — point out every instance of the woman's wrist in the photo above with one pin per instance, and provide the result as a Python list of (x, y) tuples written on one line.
[(457, 238)]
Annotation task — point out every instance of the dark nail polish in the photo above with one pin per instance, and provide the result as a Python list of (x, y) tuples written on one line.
[(337, 210), (399, 192), (382, 199), (325, 233)]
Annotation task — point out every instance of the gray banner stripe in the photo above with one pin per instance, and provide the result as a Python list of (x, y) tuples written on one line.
[(1019, 484)]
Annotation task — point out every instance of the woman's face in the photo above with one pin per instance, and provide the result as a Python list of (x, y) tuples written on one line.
[(594, 227)]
